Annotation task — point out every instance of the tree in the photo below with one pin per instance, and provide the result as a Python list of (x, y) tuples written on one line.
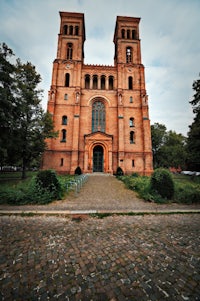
[(195, 102), (173, 153), (7, 100), (168, 147), (24, 125), (32, 125), (158, 133), (193, 142)]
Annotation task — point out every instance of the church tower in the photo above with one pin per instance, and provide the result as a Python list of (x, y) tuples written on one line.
[(133, 104), (100, 112)]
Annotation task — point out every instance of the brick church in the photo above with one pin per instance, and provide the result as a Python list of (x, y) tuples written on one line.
[(100, 112)]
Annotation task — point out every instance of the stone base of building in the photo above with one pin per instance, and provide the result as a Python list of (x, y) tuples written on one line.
[(97, 160)]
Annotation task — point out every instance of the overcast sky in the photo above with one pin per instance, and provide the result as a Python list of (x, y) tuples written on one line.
[(170, 43)]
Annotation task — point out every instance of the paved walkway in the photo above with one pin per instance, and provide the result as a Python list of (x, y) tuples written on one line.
[(83, 258), (134, 258), (101, 193)]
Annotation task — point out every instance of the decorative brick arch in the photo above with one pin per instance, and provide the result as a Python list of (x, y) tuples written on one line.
[(98, 97), (98, 139)]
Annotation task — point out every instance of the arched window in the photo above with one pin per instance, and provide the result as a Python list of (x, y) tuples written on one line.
[(64, 135), (76, 30), (67, 79), (98, 116), (131, 122), (133, 34), (61, 162), (87, 81), (71, 30), (129, 55), (132, 137), (64, 120), (128, 34), (69, 51), (65, 29), (95, 82), (131, 99), (111, 82), (123, 33), (130, 83), (103, 82)]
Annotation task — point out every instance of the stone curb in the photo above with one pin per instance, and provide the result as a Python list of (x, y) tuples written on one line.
[(87, 212)]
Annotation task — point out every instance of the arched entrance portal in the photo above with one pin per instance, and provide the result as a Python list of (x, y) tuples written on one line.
[(98, 159)]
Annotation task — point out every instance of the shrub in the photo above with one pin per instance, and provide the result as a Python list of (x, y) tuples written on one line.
[(119, 171), (140, 184), (47, 182), (78, 171), (162, 183), (135, 175), (186, 193)]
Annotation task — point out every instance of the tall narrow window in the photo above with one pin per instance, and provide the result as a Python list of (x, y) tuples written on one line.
[(64, 135), (65, 29), (98, 117), (69, 51), (61, 162), (111, 82), (64, 120), (130, 83), (128, 34), (123, 33), (132, 137), (71, 30), (103, 82), (133, 163), (131, 99), (87, 81), (129, 55), (66, 97), (76, 30), (67, 79), (95, 82), (133, 34), (131, 122)]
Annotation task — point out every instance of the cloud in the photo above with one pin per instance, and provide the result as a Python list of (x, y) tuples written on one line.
[(169, 35)]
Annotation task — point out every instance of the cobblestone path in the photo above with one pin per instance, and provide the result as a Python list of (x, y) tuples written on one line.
[(116, 258)]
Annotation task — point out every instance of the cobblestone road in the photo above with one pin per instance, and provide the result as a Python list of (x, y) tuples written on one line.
[(116, 258)]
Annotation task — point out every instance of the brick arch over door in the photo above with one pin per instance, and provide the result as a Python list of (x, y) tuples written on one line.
[(97, 141), (96, 146)]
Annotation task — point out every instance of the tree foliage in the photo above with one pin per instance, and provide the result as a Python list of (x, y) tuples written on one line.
[(193, 143), (168, 147), (158, 133), (7, 100), (24, 122)]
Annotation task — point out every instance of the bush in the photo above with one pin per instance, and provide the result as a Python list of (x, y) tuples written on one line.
[(78, 171), (162, 183), (119, 171), (186, 193), (140, 184), (48, 183)]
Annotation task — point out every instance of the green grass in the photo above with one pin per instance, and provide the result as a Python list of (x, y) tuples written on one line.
[(187, 189), (15, 191)]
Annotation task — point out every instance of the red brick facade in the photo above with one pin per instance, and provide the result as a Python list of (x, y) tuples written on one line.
[(101, 112)]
